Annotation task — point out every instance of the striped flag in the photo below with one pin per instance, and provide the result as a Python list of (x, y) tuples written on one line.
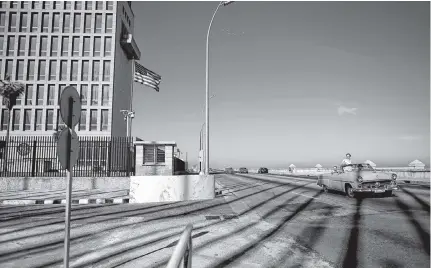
[(146, 77)]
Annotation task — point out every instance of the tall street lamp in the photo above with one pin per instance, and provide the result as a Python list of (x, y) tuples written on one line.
[(201, 140), (207, 144)]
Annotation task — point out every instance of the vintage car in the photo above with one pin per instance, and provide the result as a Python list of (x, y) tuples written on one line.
[(362, 179), (229, 170), (243, 170), (262, 170)]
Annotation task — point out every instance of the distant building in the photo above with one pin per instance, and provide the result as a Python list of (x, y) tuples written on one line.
[(292, 168), (318, 166), (416, 164)]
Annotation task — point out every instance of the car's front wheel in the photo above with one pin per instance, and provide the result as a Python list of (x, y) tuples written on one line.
[(349, 191), (388, 193), (324, 188)]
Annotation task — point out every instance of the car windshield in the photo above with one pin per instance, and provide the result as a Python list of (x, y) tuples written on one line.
[(362, 166)]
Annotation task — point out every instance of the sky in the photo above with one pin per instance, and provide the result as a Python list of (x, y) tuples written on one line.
[(294, 82)]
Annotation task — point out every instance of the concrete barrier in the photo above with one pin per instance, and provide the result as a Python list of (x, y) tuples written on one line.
[(417, 176), (11, 184), (144, 189)]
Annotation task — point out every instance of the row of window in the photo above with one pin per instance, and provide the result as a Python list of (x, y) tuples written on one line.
[(57, 22), (67, 5), (40, 95), (25, 122), (75, 46), (63, 70)]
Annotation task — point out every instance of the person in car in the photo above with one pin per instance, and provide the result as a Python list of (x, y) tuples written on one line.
[(334, 169), (346, 163)]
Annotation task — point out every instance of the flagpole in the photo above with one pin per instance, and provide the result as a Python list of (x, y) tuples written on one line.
[(129, 126)]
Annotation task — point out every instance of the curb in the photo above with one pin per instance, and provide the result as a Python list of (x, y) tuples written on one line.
[(218, 188), (63, 201)]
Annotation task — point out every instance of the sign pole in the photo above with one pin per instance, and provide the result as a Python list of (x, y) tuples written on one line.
[(68, 208), (68, 188), (68, 153)]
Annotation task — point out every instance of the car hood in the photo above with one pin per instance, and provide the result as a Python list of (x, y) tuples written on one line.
[(375, 176)]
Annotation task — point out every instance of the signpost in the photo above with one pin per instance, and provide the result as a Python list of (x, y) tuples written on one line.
[(68, 152)]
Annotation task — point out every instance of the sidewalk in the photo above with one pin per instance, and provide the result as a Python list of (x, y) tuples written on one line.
[(35, 197)]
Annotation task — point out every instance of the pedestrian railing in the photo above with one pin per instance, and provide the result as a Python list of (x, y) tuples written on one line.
[(183, 250)]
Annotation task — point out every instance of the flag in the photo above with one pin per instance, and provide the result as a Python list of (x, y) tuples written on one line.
[(146, 77)]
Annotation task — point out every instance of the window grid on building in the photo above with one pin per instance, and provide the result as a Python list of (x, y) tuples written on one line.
[(4, 119), (16, 116), (49, 123), (38, 119), (27, 119), (42, 44)]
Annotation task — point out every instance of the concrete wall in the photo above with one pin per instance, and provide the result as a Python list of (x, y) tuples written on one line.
[(153, 170), (402, 169), (413, 175), (59, 183), (145, 189), (308, 171)]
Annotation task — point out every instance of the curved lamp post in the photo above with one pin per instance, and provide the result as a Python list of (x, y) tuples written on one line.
[(201, 145), (207, 97)]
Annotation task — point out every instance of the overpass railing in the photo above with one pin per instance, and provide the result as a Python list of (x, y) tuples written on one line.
[(183, 250)]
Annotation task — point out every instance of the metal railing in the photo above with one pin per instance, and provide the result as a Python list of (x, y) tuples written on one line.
[(183, 250)]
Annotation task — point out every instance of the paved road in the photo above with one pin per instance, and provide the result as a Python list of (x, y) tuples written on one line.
[(261, 221)]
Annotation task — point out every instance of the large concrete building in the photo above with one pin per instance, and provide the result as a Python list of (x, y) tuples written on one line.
[(48, 45)]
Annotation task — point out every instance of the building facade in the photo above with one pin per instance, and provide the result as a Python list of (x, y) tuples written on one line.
[(48, 45)]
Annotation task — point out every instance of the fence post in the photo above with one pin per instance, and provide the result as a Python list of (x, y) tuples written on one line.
[(134, 160), (33, 159), (127, 157), (109, 156)]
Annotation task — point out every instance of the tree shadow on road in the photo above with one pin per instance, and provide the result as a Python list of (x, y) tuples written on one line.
[(92, 217), (56, 244), (425, 206), (129, 249), (390, 264), (254, 186), (121, 214), (252, 245), (309, 236), (421, 232), (218, 223), (351, 259)]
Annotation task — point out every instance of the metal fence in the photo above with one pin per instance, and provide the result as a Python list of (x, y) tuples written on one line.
[(37, 157)]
